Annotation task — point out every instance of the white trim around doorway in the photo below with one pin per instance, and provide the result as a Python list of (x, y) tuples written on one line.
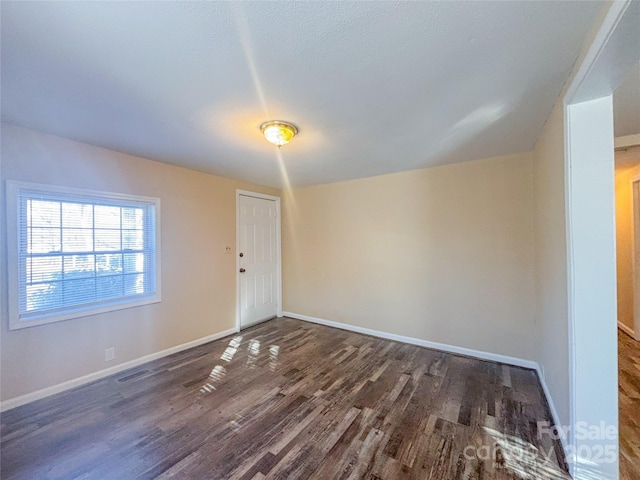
[(264, 196)]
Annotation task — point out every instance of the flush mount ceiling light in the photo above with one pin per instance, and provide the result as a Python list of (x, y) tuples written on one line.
[(278, 132)]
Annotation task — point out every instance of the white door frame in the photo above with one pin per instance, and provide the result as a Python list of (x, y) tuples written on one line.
[(591, 274), (264, 196), (590, 224)]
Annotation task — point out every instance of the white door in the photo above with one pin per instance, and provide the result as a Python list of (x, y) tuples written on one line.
[(258, 262)]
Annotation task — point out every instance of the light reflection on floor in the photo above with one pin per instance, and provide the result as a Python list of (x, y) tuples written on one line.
[(253, 352), (231, 350), (524, 459), (274, 352), (236, 422), (216, 376)]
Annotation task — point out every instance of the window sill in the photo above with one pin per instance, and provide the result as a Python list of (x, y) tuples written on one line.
[(16, 323)]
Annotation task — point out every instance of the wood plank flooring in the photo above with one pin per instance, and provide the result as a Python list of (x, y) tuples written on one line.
[(291, 400), (629, 399)]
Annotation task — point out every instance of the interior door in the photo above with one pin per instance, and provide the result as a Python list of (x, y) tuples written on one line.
[(258, 260)]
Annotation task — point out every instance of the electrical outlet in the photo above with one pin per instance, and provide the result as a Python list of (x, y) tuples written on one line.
[(110, 354), (227, 249)]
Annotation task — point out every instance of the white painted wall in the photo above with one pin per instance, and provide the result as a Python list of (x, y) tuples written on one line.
[(444, 254), (198, 297), (552, 335)]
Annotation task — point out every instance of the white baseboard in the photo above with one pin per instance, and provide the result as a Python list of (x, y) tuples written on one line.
[(493, 357), (554, 414), (76, 382), (627, 330)]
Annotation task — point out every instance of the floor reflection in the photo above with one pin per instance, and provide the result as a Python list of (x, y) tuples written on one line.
[(274, 353), (231, 350), (253, 350), (524, 459), (251, 361), (215, 377), (236, 423)]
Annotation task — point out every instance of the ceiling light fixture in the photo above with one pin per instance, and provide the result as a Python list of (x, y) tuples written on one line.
[(278, 132)]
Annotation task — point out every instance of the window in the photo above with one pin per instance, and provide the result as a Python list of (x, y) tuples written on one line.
[(77, 252)]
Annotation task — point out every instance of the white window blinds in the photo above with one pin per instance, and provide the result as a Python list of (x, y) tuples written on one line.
[(82, 251)]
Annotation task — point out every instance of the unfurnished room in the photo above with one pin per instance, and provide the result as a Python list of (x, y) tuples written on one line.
[(320, 240)]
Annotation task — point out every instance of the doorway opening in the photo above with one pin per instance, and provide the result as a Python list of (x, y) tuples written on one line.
[(627, 190)]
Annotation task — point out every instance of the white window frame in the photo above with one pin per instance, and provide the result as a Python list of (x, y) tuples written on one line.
[(13, 231)]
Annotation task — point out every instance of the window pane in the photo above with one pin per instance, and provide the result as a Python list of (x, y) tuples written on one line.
[(43, 240), (78, 248), (133, 218), (77, 240), (77, 292), (41, 213), (133, 262), (43, 296), (78, 266), (108, 264), (44, 269), (77, 215), (133, 239), (107, 217), (107, 240), (25, 269), (109, 287), (133, 284)]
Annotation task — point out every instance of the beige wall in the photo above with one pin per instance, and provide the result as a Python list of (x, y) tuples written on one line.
[(442, 254), (552, 315), (625, 242), (198, 279)]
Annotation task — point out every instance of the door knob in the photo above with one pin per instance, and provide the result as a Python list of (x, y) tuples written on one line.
[(242, 270)]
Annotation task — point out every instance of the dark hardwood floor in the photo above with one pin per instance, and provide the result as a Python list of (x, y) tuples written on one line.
[(288, 399), (629, 398)]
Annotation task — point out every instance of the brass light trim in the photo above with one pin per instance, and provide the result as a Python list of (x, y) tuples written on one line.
[(278, 132)]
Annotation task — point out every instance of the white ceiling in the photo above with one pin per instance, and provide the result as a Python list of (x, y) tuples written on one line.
[(374, 87)]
